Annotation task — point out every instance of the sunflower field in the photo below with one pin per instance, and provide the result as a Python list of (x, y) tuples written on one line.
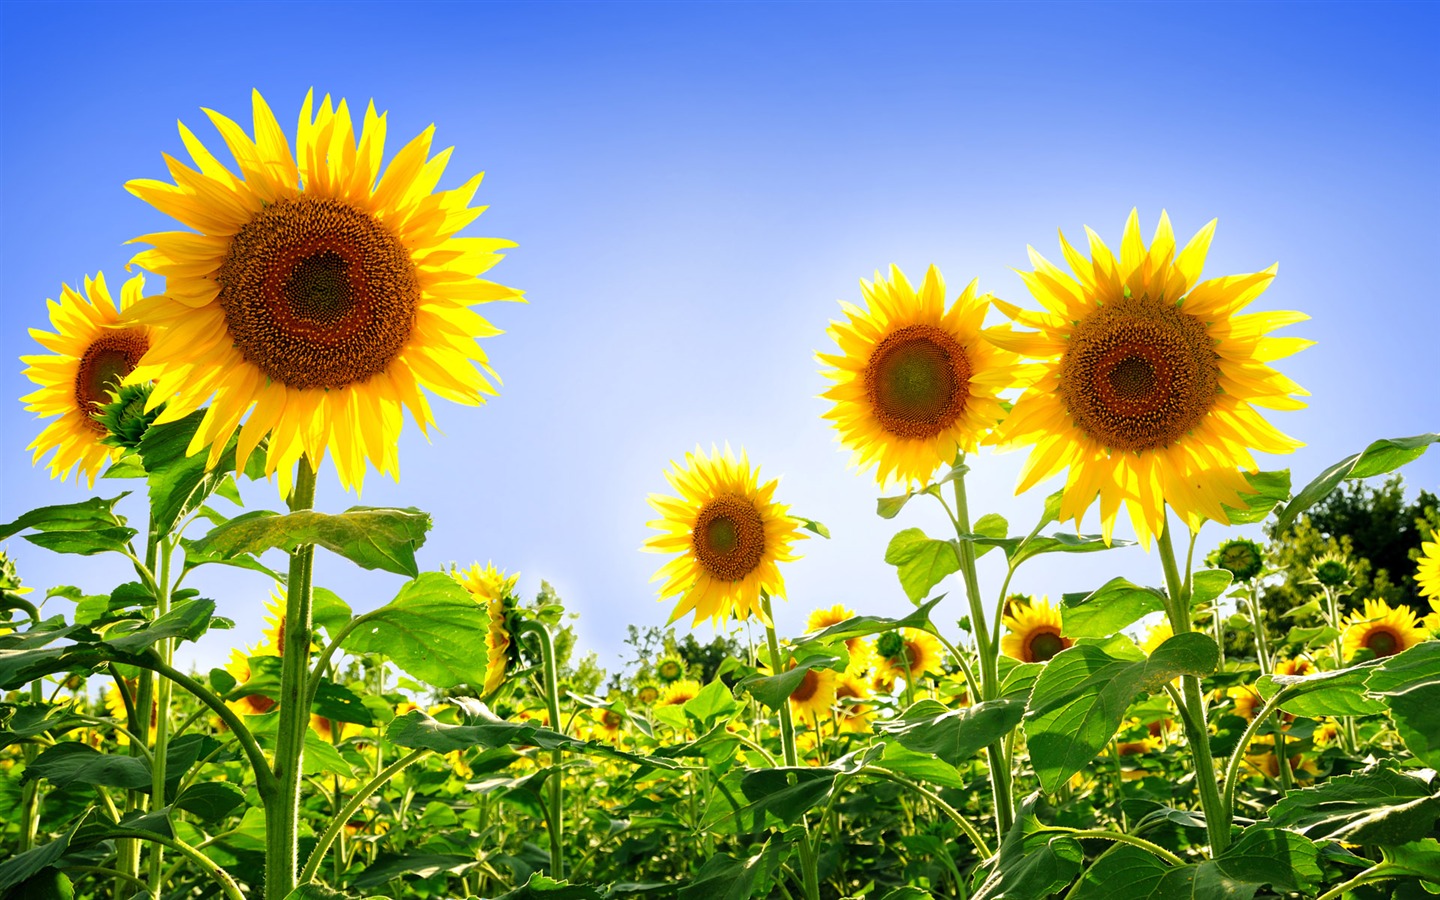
[(1126, 742)]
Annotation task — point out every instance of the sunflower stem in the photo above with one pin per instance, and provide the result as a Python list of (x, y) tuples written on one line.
[(810, 877), (552, 700), (1177, 607), (282, 814), (165, 649), (1000, 784)]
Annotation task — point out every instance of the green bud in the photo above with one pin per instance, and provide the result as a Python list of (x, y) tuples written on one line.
[(1241, 557)]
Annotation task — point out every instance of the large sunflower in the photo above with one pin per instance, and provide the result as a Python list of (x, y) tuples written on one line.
[(1034, 632), (93, 352), (730, 535), (1381, 630), (814, 695), (493, 588), (1150, 380), (915, 383), (314, 293), (1427, 570)]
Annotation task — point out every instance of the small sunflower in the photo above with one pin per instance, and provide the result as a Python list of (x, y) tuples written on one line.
[(1427, 571), (1333, 570), (1034, 632), (814, 695), (915, 383), (680, 692), (606, 724), (495, 589), (851, 714), (910, 653), (93, 353), (646, 694), (1260, 756), (315, 288), (1246, 699), (859, 648), (671, 668), (1299, 665), (1241, 557), (730, 535), (1381, 630), (239, 668), (1150, 380), (1156, 635)]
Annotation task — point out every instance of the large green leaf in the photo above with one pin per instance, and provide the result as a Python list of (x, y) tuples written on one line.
[(1380, 457), (210, 801), (773, 690), (725, 878), (1374, 806), (71, 762), (713, 702), (921, 562), (1261, 856), (1107, 609), (370, 537), (896, 758), (1080, 699), (1420, 859), (416, 729), (860, 626), (433, 629), (1339, 692), (186, 621), (787, 793), (1409, 683), (1207, 584), (1122, 873), (390, 866), (1270, 490), (1031, 862), (179, 482), (954, 735), (85, 528)]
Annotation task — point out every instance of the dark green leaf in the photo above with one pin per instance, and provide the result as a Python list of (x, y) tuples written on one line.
[(543, 887), (1377, 459), (373, 538), (1409, 683), (860, 626), (340, 704), (1059, 543), (178, 481), (87, 515), (186, 621), (1339, 692), (195, 556), (433, 629), (898, 759), (71, 762), (954, 735), (773, 690), (1418, 858), (330, 612), (787, 793), (724, 878), (1031, 862), (1271, 489), (921, 562), (1121, 873), (210, 801), (1375, 806), (1107, 609), (390, 866), (24, 866), (417, 729)]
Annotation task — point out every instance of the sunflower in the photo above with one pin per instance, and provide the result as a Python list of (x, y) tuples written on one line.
[(915, 383), (93, 353), (1246, 700), (647, 694), (859, 648), (1241, 557), (854, 715), (314, 293), (606, 724), (1260, 756), (1034, 632), (1427, 570), (729, 533), (1381, 630), (1297, 666), (678, 693), (495, 589), (671, 668), (1150, 380), (909, 653), (239, 668), (1156, 635), (814, 695)]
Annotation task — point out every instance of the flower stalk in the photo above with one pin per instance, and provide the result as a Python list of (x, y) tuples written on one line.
[(809, 873)]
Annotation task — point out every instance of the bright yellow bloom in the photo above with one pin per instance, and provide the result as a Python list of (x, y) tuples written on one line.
[(1427, 570), (1156, 635), (1034, 632), (1260, 756), (1381, 630), (919, 653), (313, 292), (815, 694), (852, 716), (606, 724), (1150, 380), (492, 587), (239, 668), (860, 649), (1246, 700), (93, 352), (730, 535), (915, 383), (1297, 666), (680, 692)]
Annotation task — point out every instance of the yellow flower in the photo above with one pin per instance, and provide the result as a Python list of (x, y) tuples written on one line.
[(314, 293), (1150, 380), (492, 587), (913, 654), (852, 716), (115, 708), (1297, 666), (815, 694), (1326, 733), (607, 724), (730, 535), (1260, 756), (1246, 700), (1427, 570), (859, 648), (93, 352), (1381, 630), (678, 693), (1034, 632), (915, 383), (239, 668), (1156, 635)]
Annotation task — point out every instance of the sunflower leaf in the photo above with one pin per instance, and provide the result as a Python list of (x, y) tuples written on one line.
[(773, 690), (1380, 457), (812, 526), (954, 735), (1270, 490), (1207, 584), (433, 630), (1031, 861), (921, 562), (71, 762), (1080, 699), (370, 537), (179, 481), (1375, 806), (860, 626), (1107, 609), (85, 528), (1339, 692), (1409, 683)]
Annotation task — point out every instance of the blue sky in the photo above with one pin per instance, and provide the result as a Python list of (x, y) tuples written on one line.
[(695, 187)]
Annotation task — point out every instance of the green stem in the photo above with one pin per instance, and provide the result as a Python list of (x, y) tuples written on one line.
[(1119, 838), (1177, 604), (953, 814), (227, 884), (282, 816), (166, 651), (1379, 872), (1232, 768), (1000, 784), (557, 787), (337, 825), (810, 878)]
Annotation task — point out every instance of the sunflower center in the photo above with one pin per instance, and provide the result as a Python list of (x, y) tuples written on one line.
[(1382, 642), (808, 686), (918, 381), (1046, 644), (318, 294), (1139, 374), (729, 538), (105, 363)]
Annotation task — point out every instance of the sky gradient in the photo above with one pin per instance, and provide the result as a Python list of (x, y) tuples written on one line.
[(694, 188)]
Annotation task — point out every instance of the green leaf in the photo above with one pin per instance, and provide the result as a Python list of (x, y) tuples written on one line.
[(1080, 699), (334, 701), (24, 866), (186, 621), (1374, 806), (127, 466), (1409, 683), (210, 801), (71, 762), (954, 735), (1271, 489), (990, 525), (1207, 584), (390, 866), (921, 562), (321, 757), (178, 482), (860, 626), (773, 690), (1121, 873), (417, 729), (1377, 459), (1063, 542), (889, 507), (87, 515), (785, 792), (1104, 611), (330, 612), (896, 758), (1339, 692), (195, 557), (370, 537), (543, 887), (1418, 858), (724, 878), (812, 526), (1261, 856), (1031, 862), (713, 702), (433, 629)]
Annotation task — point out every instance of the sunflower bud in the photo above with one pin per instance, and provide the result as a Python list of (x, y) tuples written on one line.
[(1332, 571), (9, 577), (670, 669), (890, 645), (124, 417), (1241, 557)]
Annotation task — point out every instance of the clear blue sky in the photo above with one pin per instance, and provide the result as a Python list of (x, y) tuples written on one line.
[(694, 188)]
